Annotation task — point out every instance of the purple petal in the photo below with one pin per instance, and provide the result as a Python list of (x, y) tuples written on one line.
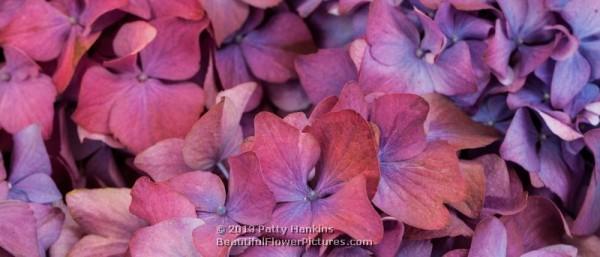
[(520, 142), (574, 72), (271, 51), (490, 239), (249, 201), (37, 188), (420, 248), (204, 189), (400, 118), (226, 16), (324, 73)]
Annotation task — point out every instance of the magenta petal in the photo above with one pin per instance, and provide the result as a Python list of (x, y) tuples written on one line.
[(400, 118), (174, 53), (249, 201), (41, 34), (104, 212), (456, 227), (19, 234), (497, 55), (349, 251), (187, 9), (289, 96), (490, 239), (503, 189), (414, 191), (528, 230), (434, 39), (352, 98), (226, 16), (324, 73), (94, 10), (348, 149), (447, 122), (133, 37), (170, 238), (155, 202), (286, 156), (274, 251), (26, 93), (204, 189), (163, 160), (231, 66), (271, 51), (349, 210), (392, 238)]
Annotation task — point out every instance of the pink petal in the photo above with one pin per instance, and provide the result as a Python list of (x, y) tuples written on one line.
[(286, 156), (271, 51), (324, 73), (75, 48), (18, 229), (474, 175), (170, 238), (25, 93), (490, 239), (447, 122), (41, 34), (497, 55), (204, 189), (94, 246), (348, 149), (226, 16), (249, 200), (132, 37), (263, 4), (161, 111), (163, 160), (456, 227), (349, 210), (560, 250), (103, 212), (400, 118), (157, 202), (289, 96), (587, 221), (414, 191), (174, 53), (187, 9), (208, 236)]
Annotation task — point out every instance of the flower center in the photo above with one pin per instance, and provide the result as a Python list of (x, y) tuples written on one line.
[(5, 77), (454, 38), (142, 77), (311, 196), (543, 137), (221, 211), (419, 53), (73, 20), (239, 38), (490, 123), (546, 97)]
